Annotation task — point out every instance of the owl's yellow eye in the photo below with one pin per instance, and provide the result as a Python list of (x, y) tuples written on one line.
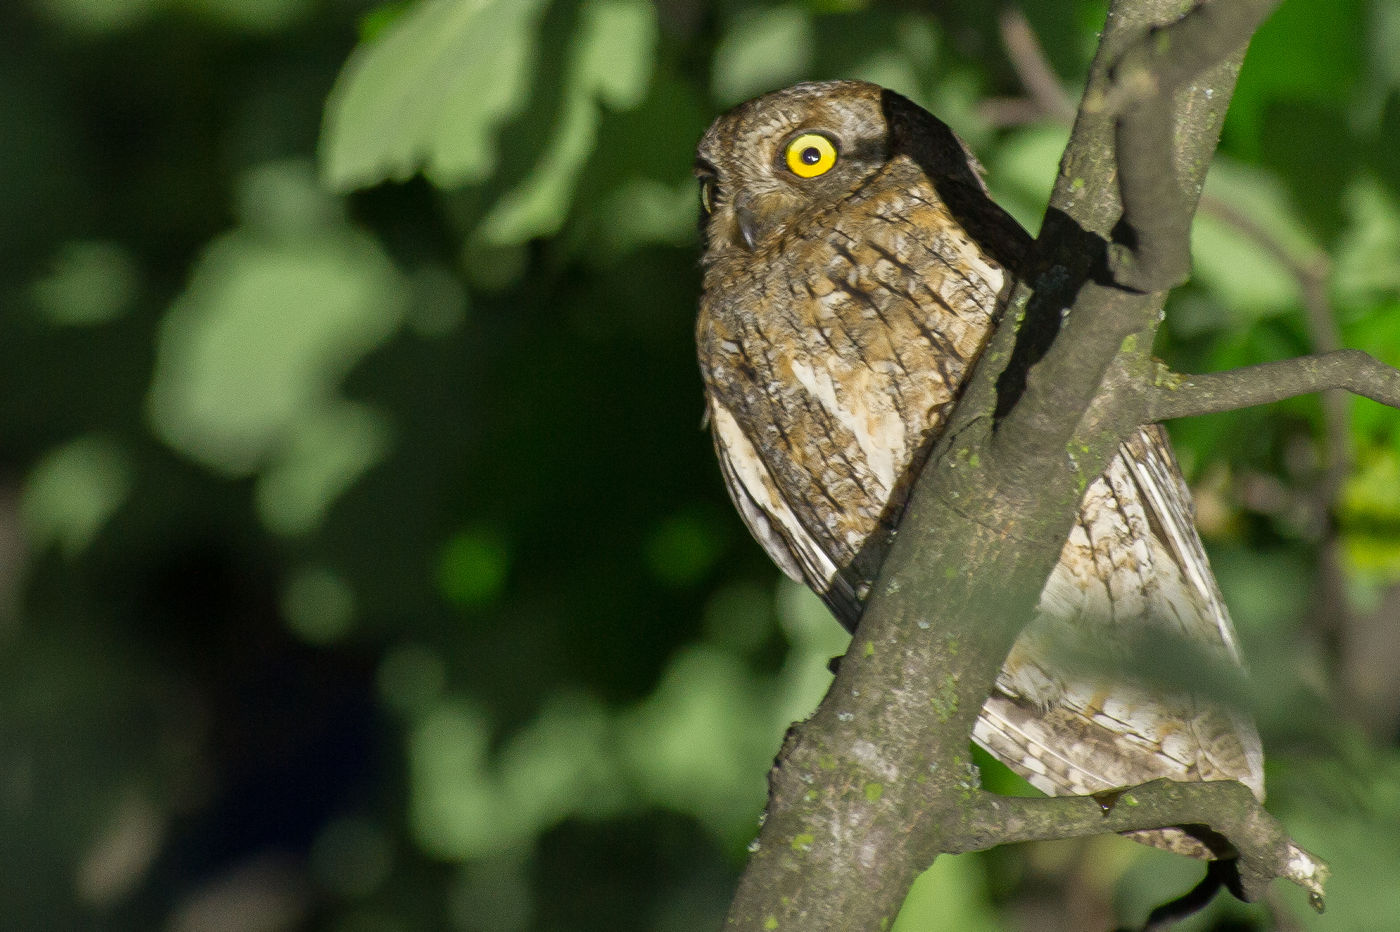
[(707, 194), (810, 155)]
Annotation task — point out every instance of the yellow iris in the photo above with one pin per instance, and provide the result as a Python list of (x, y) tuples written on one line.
[(707, 195), (810, 155)]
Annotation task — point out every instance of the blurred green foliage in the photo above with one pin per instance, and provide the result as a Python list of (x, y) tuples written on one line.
[(363, 565)]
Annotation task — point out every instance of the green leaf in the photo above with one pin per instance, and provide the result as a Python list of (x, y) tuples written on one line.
[(318, 604), (91, 282), (1303, 52), (265, 16), (472, 567), (275, 314), (1023, 169), (683, 547), (73, 491), (611, 63), (697, 743), (1369, 513), (429, 93), (617, 45), (762, 50), (324, 452), (952, 894), (1368, 253), (1229, 259), (94, 17)]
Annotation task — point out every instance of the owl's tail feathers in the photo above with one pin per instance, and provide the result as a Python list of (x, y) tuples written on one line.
[(1062, 752)]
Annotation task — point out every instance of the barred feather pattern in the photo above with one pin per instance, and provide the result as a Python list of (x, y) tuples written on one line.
[(839, 319)]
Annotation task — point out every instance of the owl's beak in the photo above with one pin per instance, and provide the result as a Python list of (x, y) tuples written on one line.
[(748, 223), (757, 212)]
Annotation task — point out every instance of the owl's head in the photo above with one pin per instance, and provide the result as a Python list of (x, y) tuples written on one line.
[(767, 161)]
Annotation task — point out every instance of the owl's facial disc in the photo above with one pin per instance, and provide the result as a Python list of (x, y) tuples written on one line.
[(744, 208), (768, 163)]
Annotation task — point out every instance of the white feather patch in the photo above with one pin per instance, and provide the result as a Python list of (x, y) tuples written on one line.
[(763, 508)]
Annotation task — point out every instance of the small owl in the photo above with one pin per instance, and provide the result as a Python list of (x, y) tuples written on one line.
[(854, 268)]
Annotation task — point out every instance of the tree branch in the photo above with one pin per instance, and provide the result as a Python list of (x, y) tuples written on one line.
[(1176, 395), (1150, 249), (1239, 828), (1032, 67), (1155, 255)]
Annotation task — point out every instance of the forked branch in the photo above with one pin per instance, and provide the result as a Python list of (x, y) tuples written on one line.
[(1153, 252)]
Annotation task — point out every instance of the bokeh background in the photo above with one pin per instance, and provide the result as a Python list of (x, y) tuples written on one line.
[(363, 563)]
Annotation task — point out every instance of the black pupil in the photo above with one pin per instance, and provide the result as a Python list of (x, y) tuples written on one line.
[(811, 155)]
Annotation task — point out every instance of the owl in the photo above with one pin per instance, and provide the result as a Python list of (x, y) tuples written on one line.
[(854, 268)]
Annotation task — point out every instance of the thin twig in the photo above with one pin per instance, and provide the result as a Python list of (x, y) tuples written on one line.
[(1252, 846), (1177, 395), (1032, 66), (1004, 112)]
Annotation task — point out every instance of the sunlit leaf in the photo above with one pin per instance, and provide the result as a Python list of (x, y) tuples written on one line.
[(90, 282), (318, 604), (1368, 253), (1370, 515), (324, 452), (697, 744), (455, 808), (263, 334), (563, 763), (428, 94), (616, 51), (466, 803), (73, 491), (762, 50), (610, 63), (1227, 254)]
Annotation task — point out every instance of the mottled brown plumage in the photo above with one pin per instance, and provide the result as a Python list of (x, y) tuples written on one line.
[(853, 270)]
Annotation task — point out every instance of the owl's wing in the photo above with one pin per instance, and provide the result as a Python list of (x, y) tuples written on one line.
[(1133, 559), (771, 519)]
